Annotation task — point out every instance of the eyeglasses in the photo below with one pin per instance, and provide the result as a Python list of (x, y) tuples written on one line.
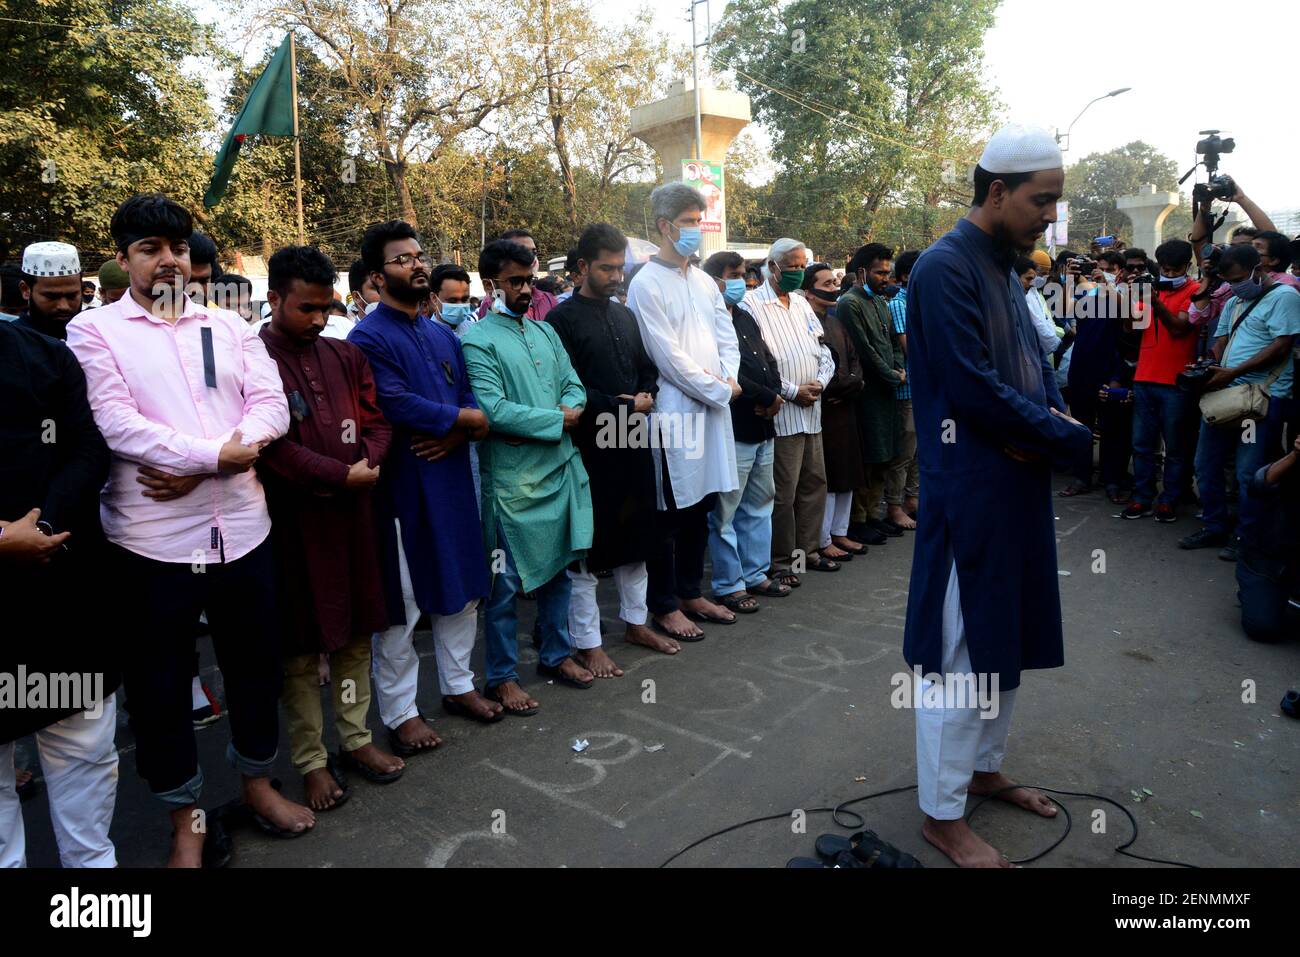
[(517, 282), (406, 259)]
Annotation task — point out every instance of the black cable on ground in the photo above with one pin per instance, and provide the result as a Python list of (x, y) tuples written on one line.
[(838, 814)]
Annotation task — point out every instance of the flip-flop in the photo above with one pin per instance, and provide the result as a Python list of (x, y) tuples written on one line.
[(676, 635), (699, 616), (846, 557), (824, 565), (264, 824), (345, 759), (773, 589), (454, 707), (863, 849), (491, 695), (744, 604), (555, 673), (860, 550)]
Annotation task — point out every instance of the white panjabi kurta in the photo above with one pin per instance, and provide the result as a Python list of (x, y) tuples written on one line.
[(688, 332)]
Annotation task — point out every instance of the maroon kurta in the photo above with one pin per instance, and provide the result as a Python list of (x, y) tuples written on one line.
[(323, 535)]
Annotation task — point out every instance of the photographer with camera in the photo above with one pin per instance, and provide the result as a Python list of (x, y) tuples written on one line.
[(1161, 410), (1274, 256), (1225, 188), (1242, 400)]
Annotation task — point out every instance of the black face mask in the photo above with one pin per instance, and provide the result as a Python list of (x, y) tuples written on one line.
[(825, 296)]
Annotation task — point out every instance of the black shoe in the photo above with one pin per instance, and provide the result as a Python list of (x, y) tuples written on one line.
[(864, 533), (1205, 538), (885, 528), (1229, 552)]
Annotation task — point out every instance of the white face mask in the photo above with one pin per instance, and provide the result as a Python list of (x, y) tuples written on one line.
[(1110, 277), (1040, 282)]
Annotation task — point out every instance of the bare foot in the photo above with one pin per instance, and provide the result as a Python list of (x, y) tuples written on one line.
[(417, 733), (834, 552), (598, 663), (910, 505), (846, 543), (187, 843), (987, 782), (962, 845), (322, 790), (641, 635), (702, 606), (483, 708), (513, 697), (571, 669), (275, 807), (678, 625), (377, 759), (900, 517), (323, 670)]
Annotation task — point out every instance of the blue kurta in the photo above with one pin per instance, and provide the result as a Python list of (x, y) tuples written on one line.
[(422, 385), (979, 384)]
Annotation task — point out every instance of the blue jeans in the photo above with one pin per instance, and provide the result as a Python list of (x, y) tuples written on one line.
[(1159, 411), (1264, 608), (1216, 444), (740, 527), (501, 620)]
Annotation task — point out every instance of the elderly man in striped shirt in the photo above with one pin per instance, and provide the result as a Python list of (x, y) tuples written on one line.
[(794, 335)]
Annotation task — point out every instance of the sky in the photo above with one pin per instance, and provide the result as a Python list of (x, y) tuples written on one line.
[(1038, 46), (1045, 63)]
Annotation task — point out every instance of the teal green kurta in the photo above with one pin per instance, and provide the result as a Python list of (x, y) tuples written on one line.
[(871, 327), (534, 483)]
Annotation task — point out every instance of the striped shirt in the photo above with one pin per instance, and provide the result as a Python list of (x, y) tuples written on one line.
[(794, 336), (898, 309)]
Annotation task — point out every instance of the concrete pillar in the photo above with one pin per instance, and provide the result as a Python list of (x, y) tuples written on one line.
[(1234, 218), (668, 126), (1147, 211)]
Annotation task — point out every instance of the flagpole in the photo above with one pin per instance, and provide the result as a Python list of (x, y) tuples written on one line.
[(297, 149)]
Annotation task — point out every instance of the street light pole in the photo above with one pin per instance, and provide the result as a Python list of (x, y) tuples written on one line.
[(1066, 144)]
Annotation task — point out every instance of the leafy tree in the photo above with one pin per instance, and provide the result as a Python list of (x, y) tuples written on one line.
[(1093, 184)]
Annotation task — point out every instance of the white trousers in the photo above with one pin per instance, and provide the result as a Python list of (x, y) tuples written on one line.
[(953, 743), (396, 665), (79, 763), (838, 507), (584, 613)]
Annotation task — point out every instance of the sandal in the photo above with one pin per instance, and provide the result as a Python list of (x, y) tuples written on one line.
[(860, 550), (1072, 490), (453, 707), (847, 555), (273, 829), (702, 618), (863, 849), (742, 604), (404, 750), (823, 565), (492, 695), (771, 589), (788, 579), (366, 771)]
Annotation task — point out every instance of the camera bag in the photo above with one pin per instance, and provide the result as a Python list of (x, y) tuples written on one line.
[(1248, 400)]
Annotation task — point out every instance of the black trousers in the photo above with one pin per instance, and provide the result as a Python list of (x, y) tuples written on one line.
[(1114, 420), (166, 599), (676, 567)]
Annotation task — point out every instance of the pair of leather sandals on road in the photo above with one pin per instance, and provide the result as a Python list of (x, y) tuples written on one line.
[(863, 849)]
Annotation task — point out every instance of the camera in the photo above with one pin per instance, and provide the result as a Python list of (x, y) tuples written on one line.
[(1084, 265), (1219, 187), (1195, 379), (1211, 147)]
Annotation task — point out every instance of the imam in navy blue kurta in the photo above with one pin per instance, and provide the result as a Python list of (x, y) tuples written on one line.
[(980, 384), (422, 385)]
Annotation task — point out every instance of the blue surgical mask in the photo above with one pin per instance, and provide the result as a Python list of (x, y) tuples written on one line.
[(1176, 281), (1247, 290), (1040, 282), (734, 292), (499, 304), (454, 313), (688, 240)]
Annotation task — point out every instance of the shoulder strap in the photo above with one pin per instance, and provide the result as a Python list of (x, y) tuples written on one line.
[(1242, 318)]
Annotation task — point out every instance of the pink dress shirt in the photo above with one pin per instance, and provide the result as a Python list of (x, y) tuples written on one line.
[(147, 386)]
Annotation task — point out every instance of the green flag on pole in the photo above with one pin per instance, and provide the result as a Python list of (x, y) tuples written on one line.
[(268, 110)]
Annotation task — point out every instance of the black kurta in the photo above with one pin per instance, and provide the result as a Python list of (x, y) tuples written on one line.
[(759, 378), (604, 345), (52, 457), (840, 437)]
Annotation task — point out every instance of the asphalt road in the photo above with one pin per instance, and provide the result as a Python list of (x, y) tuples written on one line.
[(790, 709)]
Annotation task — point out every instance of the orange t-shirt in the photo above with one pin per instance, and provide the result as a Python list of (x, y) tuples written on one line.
[(1164, 355)]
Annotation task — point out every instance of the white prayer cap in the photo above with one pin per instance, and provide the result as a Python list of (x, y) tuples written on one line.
[(51, 259), (1021, 149)]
